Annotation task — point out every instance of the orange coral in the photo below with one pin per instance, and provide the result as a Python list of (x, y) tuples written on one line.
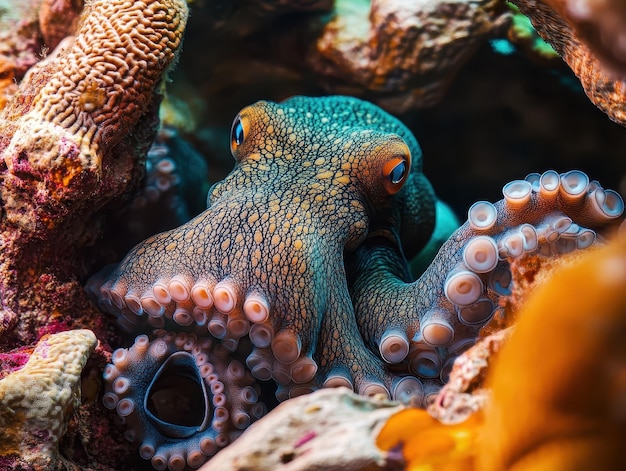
[(428, 444)]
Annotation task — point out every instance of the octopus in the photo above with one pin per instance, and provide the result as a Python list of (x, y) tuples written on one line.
[(297, 273)]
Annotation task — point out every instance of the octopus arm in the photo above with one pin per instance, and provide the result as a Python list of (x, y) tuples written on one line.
[(421, 327)]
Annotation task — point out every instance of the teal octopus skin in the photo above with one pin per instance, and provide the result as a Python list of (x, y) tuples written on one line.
[(301, 253)]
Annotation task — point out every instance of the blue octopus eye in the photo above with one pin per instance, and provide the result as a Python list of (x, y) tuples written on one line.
[(395, 171), (398, 172), (237, 134)]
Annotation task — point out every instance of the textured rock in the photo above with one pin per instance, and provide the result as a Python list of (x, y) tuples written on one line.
[(402, 54), (37, 400), (331, 429), (595, 63)]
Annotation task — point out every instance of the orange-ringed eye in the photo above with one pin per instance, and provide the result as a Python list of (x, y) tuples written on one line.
[(395, 172), (398, 172)]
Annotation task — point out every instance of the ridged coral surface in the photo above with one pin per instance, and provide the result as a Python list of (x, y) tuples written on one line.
[(72, 139)]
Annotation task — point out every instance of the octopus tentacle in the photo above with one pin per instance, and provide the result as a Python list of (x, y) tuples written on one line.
[(181, 397), (423, 325)]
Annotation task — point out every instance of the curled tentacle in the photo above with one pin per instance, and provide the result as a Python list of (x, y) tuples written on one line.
[(422, 326), (181, 398)]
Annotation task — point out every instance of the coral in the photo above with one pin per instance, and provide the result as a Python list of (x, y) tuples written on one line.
[(599, 24), (602, 85), (403, 55), (29, 30), (20, 43), (58, 19), (331, 429), (66, 150), (464, 392), (427, 444), (37, 400), (182, 398)]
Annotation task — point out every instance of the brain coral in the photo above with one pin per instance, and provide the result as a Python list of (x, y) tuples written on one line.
[(66, 150)]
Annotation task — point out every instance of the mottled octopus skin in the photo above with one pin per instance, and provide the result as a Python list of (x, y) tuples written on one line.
[(420, 327), (158, 388), (314, 176)]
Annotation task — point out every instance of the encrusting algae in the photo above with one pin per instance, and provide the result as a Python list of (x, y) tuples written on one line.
[(557, 387)]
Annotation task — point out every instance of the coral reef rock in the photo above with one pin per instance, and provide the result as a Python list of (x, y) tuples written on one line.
[(331, 429), (37, 400), (401, 54), (602, 84)]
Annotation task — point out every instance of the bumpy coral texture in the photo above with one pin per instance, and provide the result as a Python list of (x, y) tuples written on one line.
[(36, 401)]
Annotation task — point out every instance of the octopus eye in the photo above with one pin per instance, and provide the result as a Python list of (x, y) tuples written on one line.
[(398, 172), (237, 133), (395, 172)]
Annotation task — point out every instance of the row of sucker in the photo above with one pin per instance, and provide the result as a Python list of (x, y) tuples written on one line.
[(162, 178), (218, 307), (181, 398), (543, 214), (200, 303), (422, 327)]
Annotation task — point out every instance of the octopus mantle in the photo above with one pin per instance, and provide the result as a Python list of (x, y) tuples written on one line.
[(298, 268)]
